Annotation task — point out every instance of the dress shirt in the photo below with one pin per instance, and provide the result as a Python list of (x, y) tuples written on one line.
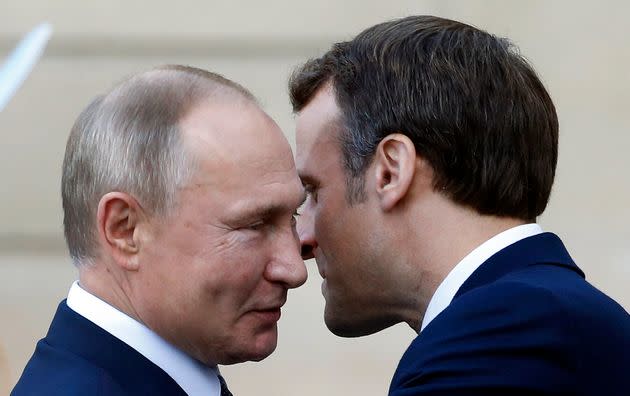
[(193, 377), (459, 274)]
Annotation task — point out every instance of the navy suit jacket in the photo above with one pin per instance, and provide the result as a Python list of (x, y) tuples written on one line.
[(526, 322), (79, 358)]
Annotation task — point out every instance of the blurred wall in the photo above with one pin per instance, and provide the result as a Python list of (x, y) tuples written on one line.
[(579, 48)]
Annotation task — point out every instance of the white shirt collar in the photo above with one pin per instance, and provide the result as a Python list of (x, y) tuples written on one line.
[(192, 376), (459, 274)]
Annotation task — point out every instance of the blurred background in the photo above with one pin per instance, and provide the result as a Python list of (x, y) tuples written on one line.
[(580, 49)]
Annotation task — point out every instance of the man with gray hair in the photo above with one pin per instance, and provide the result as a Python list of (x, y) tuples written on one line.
[(179, 195)]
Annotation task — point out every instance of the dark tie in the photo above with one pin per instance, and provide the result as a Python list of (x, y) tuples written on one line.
[(224, 389)]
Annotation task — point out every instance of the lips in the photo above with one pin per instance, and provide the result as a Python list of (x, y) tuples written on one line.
[(268, 315), (270, 311), (271, 308)]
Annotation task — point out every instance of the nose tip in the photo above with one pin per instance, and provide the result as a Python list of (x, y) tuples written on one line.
[(288, 271), (307, 248), (297, 274), (287, 267), (306, 233)]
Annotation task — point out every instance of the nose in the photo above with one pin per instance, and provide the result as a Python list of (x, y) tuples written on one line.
[(306, 233), (287, 266)]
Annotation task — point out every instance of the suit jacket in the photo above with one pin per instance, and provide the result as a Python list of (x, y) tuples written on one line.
[(526, 322), (79, 358)]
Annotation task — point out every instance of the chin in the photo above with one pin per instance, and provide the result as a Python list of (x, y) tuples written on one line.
[(253, 355), (261, 347), (344, 325), (340, 325), (261, 356), (345, 330)]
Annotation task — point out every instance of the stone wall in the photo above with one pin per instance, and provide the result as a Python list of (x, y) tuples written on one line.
[(579, 48)]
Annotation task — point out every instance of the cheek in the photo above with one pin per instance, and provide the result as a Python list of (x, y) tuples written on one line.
[(232, 273), (332, 226), (327, 218)]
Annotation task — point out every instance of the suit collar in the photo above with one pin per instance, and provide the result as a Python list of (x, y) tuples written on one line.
[(71, 332), (193, 376), (449, 286), (545, 248)]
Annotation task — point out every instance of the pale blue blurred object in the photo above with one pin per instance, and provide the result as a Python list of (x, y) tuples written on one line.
[(20, 62)]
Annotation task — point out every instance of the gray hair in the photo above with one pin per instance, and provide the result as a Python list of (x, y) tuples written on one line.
[(128, 140)]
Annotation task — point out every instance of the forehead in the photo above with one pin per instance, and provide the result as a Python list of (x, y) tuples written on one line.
[(238, 149), (317, 127), (232, 124)]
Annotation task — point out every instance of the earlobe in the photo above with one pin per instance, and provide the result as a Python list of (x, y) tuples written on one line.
[(395, 160), (118, 216)]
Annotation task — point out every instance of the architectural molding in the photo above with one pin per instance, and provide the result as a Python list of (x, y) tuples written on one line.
[(152, 46)]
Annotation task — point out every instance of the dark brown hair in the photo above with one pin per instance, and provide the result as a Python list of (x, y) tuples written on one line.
[(474, 108)]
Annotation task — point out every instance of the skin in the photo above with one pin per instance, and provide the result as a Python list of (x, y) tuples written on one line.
[(382, 259), (210, 277), (346, 246)]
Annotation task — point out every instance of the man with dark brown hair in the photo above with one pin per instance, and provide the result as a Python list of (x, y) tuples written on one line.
[(428, 148)]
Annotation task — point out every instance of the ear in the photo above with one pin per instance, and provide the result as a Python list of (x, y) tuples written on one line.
[(395, 161), (118, 217)]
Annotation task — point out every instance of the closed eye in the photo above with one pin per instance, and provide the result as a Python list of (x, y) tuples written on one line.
[(257, 225)]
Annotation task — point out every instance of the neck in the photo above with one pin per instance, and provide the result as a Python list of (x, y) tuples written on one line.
[(439, 234), (101, 281)]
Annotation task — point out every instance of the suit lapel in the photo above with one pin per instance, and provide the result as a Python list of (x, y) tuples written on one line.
[(72, 332), (545, 248)]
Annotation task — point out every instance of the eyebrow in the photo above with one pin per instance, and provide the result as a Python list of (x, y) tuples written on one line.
[(269, 210)]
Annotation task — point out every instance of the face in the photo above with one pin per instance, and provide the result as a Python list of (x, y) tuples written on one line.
[(344, 239), (216, 271)]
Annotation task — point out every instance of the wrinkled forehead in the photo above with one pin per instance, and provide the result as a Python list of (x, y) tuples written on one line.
[(263, 182), (236, 143)]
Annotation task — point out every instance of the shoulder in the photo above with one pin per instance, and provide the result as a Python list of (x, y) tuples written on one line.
[(499, 314), (53, 371), (539, 299), (516, 335)]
